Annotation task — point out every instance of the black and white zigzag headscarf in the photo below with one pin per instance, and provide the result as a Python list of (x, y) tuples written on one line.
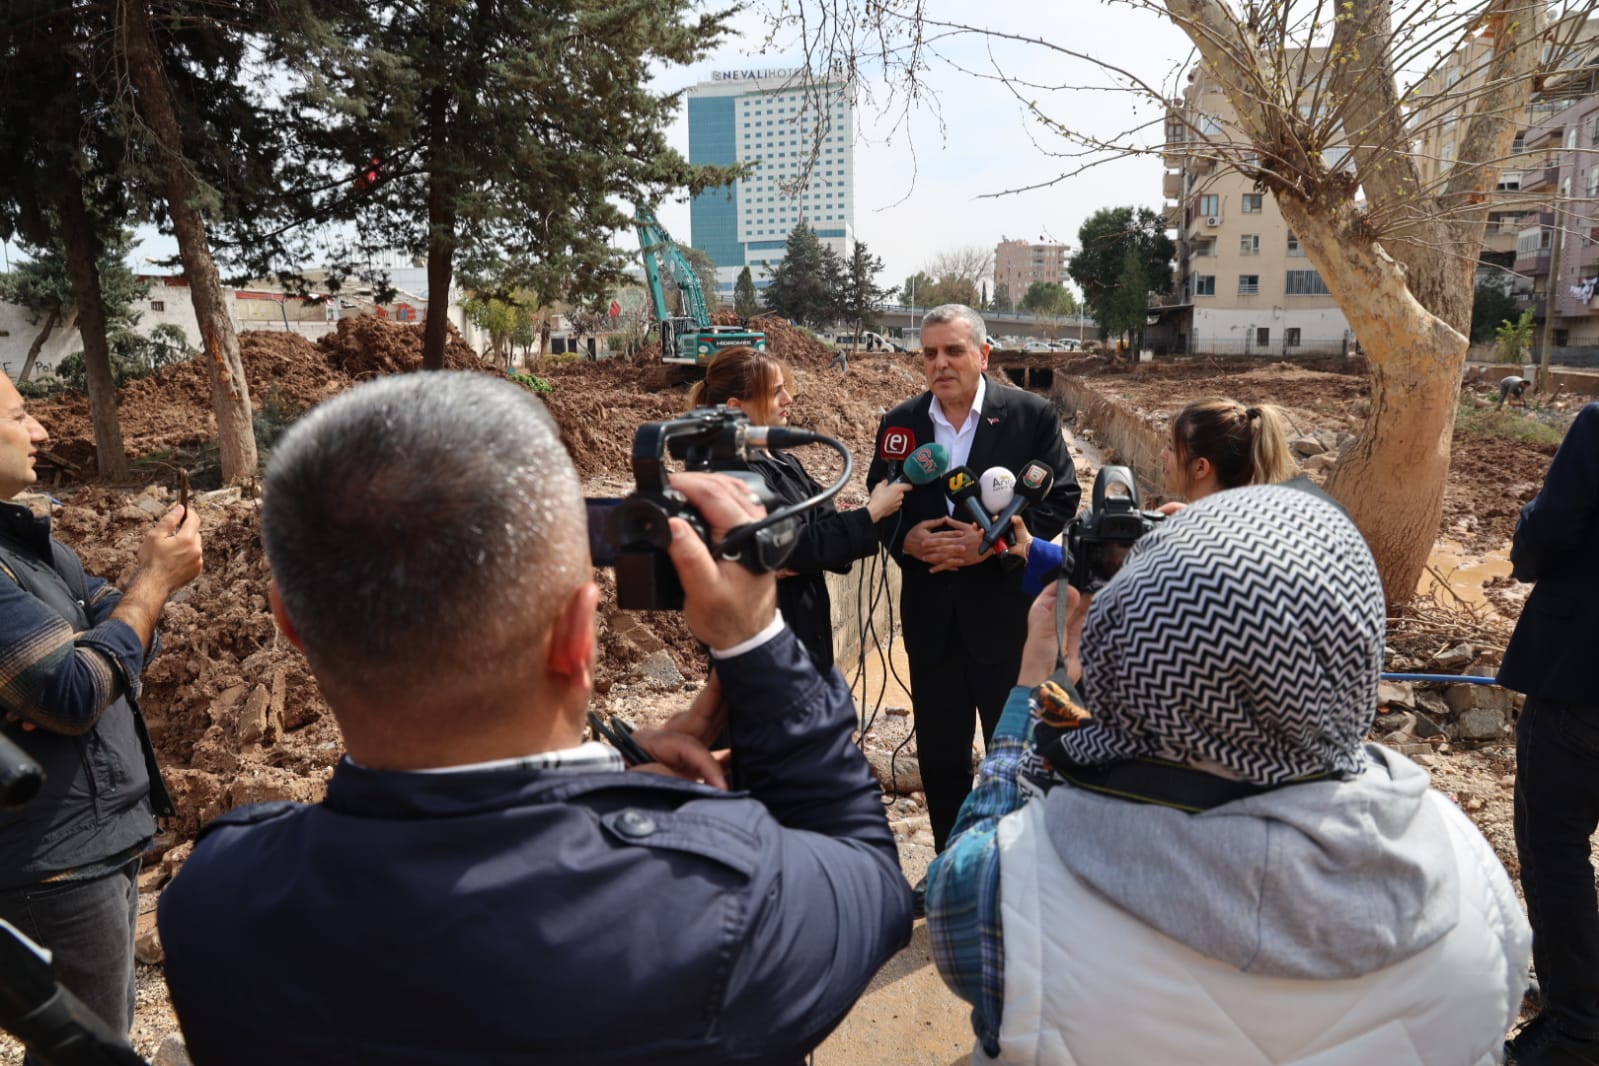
[(1245, 632)]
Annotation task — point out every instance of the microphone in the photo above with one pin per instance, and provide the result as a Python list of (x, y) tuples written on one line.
[(924, 465), (1032, 485), (963, 488), (998, 486), (894, 443)]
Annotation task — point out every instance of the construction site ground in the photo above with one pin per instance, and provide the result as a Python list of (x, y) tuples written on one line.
[(237, 717)]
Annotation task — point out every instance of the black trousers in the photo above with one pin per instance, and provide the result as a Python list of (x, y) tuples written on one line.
[(950, 694), (1557, 810)]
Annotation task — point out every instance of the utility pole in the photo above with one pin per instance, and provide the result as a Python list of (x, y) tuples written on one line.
[(1551, 291)]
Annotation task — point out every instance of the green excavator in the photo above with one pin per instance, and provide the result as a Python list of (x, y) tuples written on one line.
[(688, 339)]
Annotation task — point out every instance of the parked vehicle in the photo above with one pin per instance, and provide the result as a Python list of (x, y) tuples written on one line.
[(867, 341)]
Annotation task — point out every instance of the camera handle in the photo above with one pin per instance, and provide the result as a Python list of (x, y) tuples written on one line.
[(732, 544), (54, 1025)]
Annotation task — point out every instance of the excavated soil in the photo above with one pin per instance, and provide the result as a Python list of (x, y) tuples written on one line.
[(237, 718)]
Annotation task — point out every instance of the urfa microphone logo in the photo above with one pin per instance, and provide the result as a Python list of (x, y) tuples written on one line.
[(1033, 476), (923, 457), (897, 442), (959, 482)]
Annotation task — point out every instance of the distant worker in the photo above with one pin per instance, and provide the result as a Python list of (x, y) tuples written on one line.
[(840, 359), (73, 650), (757, 384), (1550, 658), (1511, 388)]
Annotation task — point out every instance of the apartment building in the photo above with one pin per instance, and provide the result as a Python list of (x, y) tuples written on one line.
[(772, 120), (1553, 165), (1018, 264), (1243, 285)]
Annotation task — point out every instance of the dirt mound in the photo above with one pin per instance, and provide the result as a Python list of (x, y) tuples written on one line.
[(365, 346), (796, 347)]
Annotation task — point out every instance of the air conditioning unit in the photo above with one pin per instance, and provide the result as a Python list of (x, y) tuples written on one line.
[(1213, 220)]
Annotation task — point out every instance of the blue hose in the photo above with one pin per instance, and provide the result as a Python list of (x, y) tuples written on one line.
[(1462, 679)]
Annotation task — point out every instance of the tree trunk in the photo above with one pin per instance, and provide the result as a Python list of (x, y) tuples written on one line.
[(83, 255), (50, 321), (230, 392), (441, 232), (1392, 477)]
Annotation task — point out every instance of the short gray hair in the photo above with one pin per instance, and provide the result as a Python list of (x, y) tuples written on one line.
[(423, 524), (958, 313)]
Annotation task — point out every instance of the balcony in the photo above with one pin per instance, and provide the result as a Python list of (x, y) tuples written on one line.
[(1533, 264), (1547, 179), (1172, 185)]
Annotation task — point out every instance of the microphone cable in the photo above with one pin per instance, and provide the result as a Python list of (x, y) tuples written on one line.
[(783, 436)]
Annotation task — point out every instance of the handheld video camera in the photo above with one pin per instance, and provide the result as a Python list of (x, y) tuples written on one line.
[(632, 534), (1097, 542)]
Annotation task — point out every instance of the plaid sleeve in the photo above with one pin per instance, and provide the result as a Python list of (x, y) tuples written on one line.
[(963, 882), (56, 677)]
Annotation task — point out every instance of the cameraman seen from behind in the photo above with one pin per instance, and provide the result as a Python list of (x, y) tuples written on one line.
[(757, 383), (72, 652), (964, 613), (479, 885), (1199, 860)]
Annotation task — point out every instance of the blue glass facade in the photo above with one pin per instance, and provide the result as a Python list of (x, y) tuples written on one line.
[(713, 214)]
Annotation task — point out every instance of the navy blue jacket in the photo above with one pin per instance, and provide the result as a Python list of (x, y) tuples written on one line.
[(1551, 653), (502, 916)]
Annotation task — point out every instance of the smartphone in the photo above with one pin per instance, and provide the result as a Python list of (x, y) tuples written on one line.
[(601, 549)]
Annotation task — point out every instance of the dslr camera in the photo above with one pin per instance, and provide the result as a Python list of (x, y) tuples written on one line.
[(632, 533), (1098, 541)]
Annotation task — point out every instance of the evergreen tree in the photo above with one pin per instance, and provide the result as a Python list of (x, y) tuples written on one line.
[(861, 297), (1002, 301), (1492, 305), (806, 284), (1103, 243), (63, 178), (744, 299), (501, 138), (43, 285), (1126, 306)]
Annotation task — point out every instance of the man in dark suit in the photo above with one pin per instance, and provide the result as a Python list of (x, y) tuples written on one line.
[(965, 615), (1550, 658)]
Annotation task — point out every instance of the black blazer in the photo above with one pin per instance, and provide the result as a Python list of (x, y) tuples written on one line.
[(829, 540), (985, 603), (1551, 653)]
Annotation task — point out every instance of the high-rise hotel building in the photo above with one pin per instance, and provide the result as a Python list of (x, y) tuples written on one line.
[(773, 120)]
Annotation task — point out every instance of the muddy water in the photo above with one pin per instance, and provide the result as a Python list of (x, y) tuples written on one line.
[(1464, 573)]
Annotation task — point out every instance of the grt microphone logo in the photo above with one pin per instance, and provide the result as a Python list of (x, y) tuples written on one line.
[(926, 460), (897, 443)]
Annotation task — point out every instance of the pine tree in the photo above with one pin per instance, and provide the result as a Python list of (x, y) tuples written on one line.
[(860, 298), (501, 139), (1103, 243), (805, 285), (744, 298)]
